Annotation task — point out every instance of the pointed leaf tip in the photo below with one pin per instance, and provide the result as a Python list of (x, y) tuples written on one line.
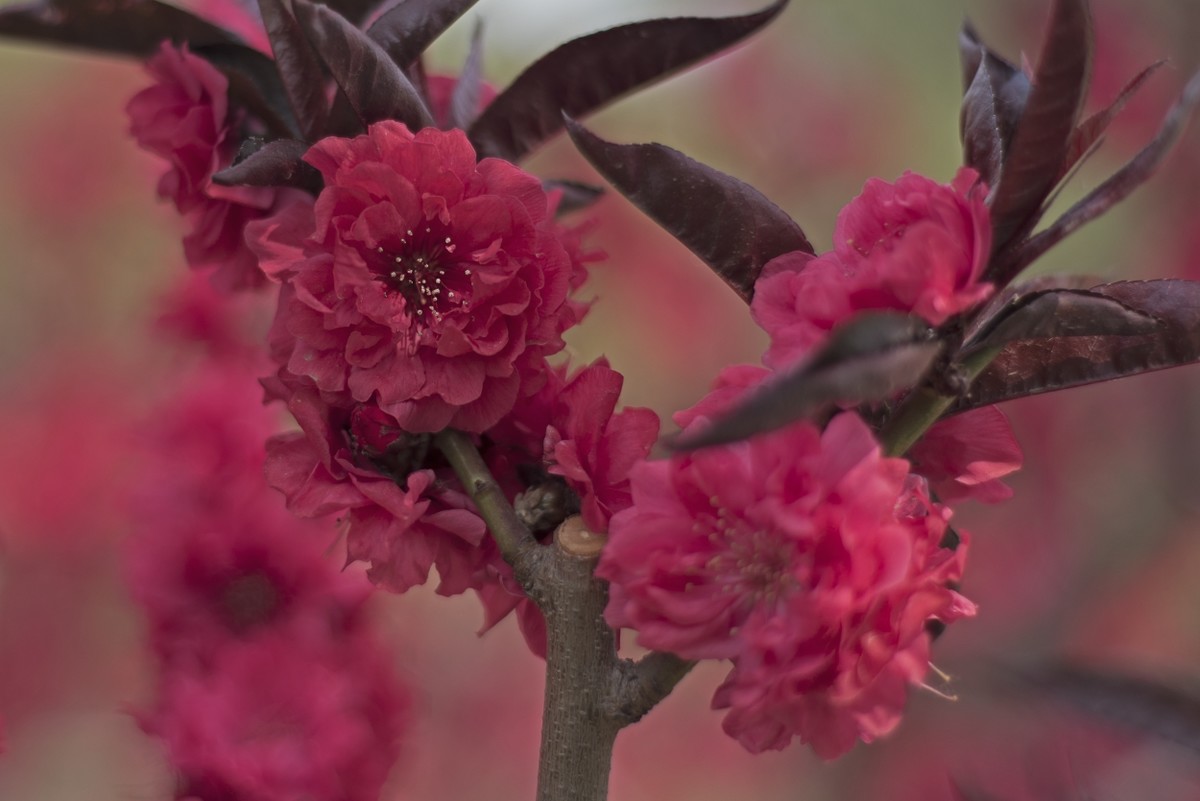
[(131, 28), (299, 68), (468, 89), (376, 88), (1033, 163), (586, 74), (408, 28), (1116, 187), (994, 99), (1090, 130), (729, 224), (277, 163)]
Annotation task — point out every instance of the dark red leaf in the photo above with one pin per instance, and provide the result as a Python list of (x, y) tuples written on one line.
[(376, 88), (1061, 313), (867, 359), (410, 27), (1039, 145), (356, 11), (994, 98), (276, 163), (588, 73), (979, 128), (1001, 301), (1010, 84), (1118, 186), (130, 28), (1091, 129), (730, 225), (254, 84), (464, 100), (299, 68), (1139, 704), (1031, 367)]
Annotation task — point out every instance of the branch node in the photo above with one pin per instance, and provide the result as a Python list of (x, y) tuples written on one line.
[(574, 538)]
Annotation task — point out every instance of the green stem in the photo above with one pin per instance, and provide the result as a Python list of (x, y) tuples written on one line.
[(516, 542), (924, 407)]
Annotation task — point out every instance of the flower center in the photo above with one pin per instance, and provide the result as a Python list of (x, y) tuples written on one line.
[(423, 271), (248, 601), (753, 562)]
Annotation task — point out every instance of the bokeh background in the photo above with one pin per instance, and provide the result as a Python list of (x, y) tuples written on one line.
[(1095, 560)]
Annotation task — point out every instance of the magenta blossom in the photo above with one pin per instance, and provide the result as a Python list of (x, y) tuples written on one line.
[(280, 718), (965, 456), (214, 556), (422, 281), (913, 246), (572, 428), (185, 118), (401, 517), (806, 557)]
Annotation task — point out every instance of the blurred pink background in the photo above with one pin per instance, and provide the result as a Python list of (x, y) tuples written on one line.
[(1094, 560)]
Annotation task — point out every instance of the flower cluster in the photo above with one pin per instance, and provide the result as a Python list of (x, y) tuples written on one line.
[(424, 290), (421, 281), (186, 119), (913, 246), (403, 510), (805, 557), (272, 682)]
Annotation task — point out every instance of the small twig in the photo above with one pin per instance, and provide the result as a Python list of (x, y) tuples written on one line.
[(514, 539), (923, 407), (641, 685)]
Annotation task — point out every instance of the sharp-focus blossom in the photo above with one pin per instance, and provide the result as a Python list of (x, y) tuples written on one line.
[(400, 517), (421, 280), (806, 557), (185, 118), (913, 246), (388, 501)]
